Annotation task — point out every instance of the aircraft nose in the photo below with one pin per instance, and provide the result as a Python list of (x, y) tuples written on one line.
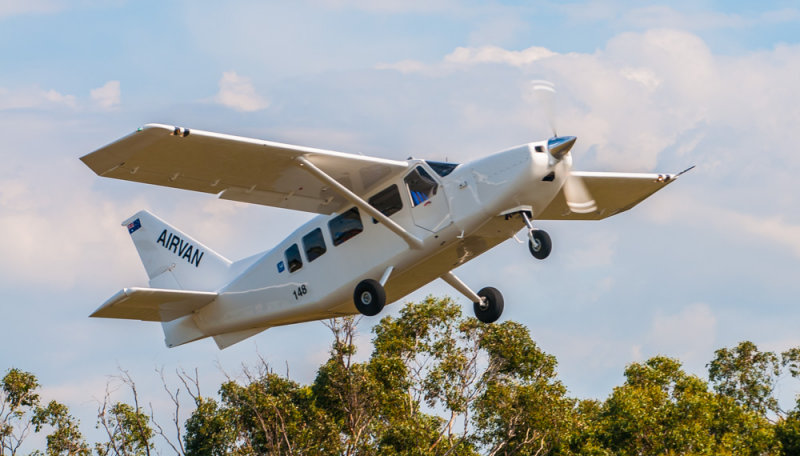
[(560, 145)]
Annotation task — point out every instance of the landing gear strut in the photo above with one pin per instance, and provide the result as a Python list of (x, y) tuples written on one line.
[(488, 303), (538, 240)]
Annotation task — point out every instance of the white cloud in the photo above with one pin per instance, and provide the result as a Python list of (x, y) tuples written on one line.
[(404, 66), (688, 334), (34, 97), (57, 237), (10, 8), (659, 16), (494, 54), (643, 76), (772, 230), (463, 57), (237, 92), (595, 250), (108, 96), (391, 6)]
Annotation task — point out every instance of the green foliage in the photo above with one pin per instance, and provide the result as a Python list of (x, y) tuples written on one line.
[(19, 390), (662, 410), (747, 375), (209, 430), (18, 399), (128, 428), (439, 383), (66, 438), (787, 432)]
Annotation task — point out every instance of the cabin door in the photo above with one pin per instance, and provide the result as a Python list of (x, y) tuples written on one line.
[(428, 202)]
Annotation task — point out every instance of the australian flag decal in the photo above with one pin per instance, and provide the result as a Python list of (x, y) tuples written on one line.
[(134, 225)]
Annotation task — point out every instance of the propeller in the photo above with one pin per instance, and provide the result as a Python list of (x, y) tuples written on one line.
[(545, 93), (578, 197)]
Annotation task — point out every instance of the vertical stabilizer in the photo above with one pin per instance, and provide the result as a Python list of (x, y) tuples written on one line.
[(173, 259)]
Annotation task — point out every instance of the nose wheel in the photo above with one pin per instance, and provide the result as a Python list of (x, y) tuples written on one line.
[(539, 242)]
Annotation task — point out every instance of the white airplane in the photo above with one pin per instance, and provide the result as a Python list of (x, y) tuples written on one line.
[(385, 229)]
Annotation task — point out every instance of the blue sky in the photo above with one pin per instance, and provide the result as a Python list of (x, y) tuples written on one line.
[(645, 86)]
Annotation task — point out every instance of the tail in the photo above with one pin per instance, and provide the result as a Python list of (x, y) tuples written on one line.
[(176, 261), (173, 259)]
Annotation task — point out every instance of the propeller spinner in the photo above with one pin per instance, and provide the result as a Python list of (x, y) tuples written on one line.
[(577, 195)]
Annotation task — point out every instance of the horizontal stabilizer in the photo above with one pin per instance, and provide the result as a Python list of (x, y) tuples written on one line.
[(226, 340), (151, 304)]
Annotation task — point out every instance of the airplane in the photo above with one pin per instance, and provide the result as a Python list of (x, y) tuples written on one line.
[(385, 227)]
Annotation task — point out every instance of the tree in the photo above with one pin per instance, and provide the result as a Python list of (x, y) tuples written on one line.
[(347, 391), (18, 400), (66, 438), (522, 408), (492, 379), (746, 375), (438, 383), (127, 426), (264, 414), (663, 410)]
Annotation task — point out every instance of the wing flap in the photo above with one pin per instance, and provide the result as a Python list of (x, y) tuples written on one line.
[(613, 192), (151, 304), (241, 169)]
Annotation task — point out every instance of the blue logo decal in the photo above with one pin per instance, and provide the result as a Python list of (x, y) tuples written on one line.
[(281, 267), (134, 225)]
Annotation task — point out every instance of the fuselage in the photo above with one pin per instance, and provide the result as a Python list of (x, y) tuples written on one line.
[(458, 212)]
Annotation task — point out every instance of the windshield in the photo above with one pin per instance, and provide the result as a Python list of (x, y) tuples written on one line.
[(442, 168)]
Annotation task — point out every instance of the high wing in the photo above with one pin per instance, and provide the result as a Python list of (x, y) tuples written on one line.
[(613, 193), (239, 169)]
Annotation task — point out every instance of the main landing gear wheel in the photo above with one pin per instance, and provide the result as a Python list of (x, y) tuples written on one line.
[(369, 297), (540, 244), (491, 306)]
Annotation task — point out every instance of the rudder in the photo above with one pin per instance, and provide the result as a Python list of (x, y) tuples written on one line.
[(173, 259)]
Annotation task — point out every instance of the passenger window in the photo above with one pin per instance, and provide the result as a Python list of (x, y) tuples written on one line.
[(387, 201), (314, 244), (345, 225), (421, 185), (293, 258)]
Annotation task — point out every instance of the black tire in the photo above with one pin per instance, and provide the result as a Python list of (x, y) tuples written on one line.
[(545, 245), (369, 297), (492, 307)]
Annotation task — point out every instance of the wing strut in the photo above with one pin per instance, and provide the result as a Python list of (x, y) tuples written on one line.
[(410, 239)]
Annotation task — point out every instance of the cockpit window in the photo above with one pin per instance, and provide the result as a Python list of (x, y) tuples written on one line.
[(421, 185), (442, 168)]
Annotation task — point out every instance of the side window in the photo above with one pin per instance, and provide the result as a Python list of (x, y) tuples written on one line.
[(387, 201), (314, 245), (421, 185), (293, 258), (345, 225)]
